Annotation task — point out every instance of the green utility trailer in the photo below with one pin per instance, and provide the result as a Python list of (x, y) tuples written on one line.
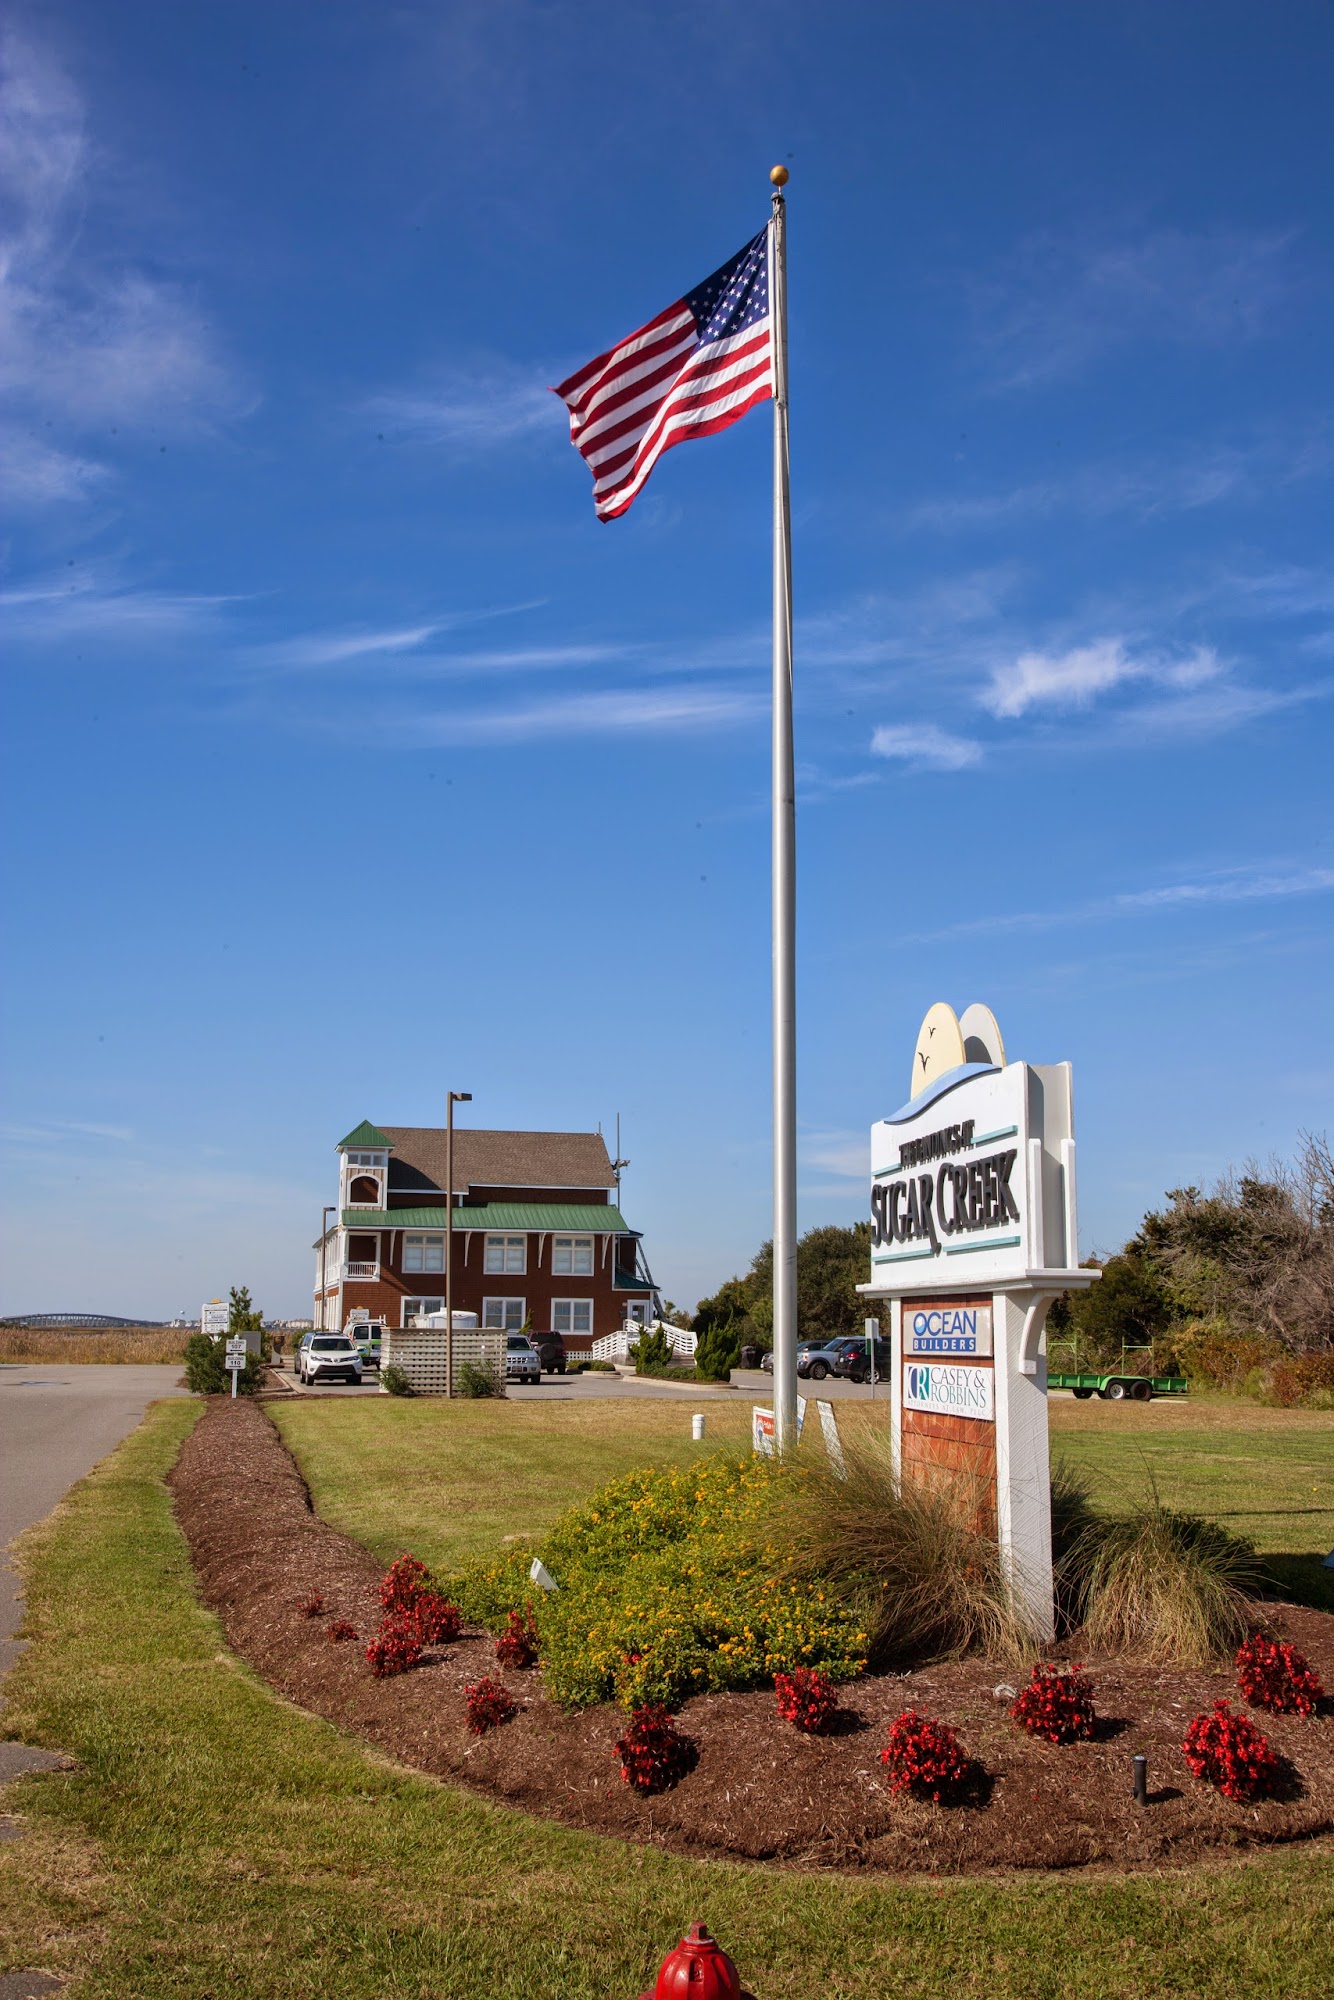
[(1117, 1388)]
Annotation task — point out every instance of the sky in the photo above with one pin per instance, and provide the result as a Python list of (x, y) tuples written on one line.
[(349, 759)]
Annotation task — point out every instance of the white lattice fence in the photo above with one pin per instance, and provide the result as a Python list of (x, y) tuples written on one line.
[(420, 1353)]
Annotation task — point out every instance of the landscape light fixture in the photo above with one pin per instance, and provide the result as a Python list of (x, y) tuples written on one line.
[(454, 1097)]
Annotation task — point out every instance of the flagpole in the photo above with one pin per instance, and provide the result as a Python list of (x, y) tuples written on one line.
[(784, 868)]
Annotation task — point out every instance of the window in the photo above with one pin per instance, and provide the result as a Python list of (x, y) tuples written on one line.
[(507, 1253), (572, 1256), (364, 1192), (572, 1315), (508, 1314), (364, 1159), (423, 1253), (418, 1309)]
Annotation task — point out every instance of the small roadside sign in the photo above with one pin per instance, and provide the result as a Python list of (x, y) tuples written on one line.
[(234, 1361)]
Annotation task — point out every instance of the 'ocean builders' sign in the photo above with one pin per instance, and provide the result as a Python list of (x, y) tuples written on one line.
[(972, 1185), (963, 1331)]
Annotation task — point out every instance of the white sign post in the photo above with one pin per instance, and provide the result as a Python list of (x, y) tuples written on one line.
[(973, 1234), (234, 1357)]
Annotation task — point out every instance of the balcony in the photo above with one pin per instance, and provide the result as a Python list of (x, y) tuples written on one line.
[(360, 1269)]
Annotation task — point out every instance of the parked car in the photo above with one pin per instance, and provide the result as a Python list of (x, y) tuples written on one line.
[(853, 1362), (803, 1347), (550, 1351), (818, 1361), (367, 1333), (522, 1360), (328, 1357)]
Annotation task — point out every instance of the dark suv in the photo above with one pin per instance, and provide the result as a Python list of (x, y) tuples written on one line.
[(551, 1350), (851, 1359)]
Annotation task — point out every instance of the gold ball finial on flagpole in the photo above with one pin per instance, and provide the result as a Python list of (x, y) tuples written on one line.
[(779, 176)]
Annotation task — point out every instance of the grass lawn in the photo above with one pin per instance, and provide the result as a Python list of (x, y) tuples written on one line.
[(446, 1480), (215, 1841)]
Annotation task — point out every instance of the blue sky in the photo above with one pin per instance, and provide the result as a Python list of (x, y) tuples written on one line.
[(350, 759)]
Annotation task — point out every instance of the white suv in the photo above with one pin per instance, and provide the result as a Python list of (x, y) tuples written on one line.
[(325, 1357), (523, 1363)]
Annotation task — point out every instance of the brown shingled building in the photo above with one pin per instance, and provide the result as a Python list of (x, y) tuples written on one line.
[(537, 1238)]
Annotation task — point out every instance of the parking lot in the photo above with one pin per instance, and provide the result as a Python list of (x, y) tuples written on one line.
[(751, 1383)]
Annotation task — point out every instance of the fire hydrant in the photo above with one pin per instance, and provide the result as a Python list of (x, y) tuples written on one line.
[(698, 1969)]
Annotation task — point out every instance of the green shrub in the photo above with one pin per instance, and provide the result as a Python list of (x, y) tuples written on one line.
[(206, 1375), (479, 1378), (670, 1583), (653, 1355), (915, 1567), (1161, 1586), (395, 1380), (717, 1351)]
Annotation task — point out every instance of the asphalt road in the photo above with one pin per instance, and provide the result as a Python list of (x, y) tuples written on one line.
[(748, 1385), (55, 1424)]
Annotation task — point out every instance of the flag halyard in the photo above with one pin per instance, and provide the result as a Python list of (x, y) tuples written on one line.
[(694, 369)]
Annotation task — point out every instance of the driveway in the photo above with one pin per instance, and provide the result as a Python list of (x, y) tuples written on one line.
[(749, 1385), (55, 1424)]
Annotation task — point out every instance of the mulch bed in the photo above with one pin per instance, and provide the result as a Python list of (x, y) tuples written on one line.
[(759, 1790)]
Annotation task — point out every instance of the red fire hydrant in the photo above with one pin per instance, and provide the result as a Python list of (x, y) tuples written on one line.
[(698, 1969)]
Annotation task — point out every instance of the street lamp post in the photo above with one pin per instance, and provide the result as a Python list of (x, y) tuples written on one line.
[(325, 1213), (455, 1097)]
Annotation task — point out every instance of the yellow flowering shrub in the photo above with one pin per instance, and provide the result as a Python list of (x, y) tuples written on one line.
[(670, 1583)]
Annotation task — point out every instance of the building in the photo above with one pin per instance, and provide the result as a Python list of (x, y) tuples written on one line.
[(537, 1237)]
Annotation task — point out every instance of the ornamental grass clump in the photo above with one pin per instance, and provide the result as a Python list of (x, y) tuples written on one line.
[(925, 1757), (1161, 1586), (914, 1562), (1274, 1675), (1057, 1705), (396, 1647), (518, 1644), (488, 1704), (672, 1583), (654, 1754), (807, 1699), (1228, 1751)]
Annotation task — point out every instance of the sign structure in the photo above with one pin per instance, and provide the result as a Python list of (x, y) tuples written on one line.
[(974, 1231)]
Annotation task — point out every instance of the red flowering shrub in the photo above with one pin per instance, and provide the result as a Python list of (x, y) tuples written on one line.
[(1057, 1704), (925, 1756), (340, 1630), (1228, 1750), (313, 1607), (437, 1620), (402, 1584), (517, 1645), (654, 1754), (489, 1704), (396, 1647), (1278, 1677), (806, 1698)]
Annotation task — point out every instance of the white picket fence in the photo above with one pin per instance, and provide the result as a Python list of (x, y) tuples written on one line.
[(420, 1353), (620, 1346)]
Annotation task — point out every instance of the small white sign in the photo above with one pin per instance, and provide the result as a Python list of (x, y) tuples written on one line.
[(944, 1389), (762, 1430), (964, 1331), (829, 1425)]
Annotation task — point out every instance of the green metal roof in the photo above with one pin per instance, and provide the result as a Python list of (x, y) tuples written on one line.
[(367, 1135), (585, 1218)]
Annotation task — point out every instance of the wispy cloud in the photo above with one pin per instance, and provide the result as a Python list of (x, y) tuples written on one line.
[(35, 474), (79, 606), (609, 712), (1075, 677), (845, 1154), (87, 338), (472, 407), (1253, 882), (926, 745), (1060, 303)]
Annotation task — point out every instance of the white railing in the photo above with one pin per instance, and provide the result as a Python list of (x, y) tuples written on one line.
[(351, 1270), (620, 1346)]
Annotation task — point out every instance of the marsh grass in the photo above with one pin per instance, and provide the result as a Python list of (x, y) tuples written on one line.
[(1161, 1586), (912, 1563), (47, 1348)]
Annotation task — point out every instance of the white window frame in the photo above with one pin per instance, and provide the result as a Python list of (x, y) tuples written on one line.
[(506, 1308), (509, 1247), (418, 1309), (428, 1241), (568, 1314), (574, 1247)]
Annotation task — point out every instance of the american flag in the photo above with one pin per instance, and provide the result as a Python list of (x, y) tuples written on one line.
[(693, 370)]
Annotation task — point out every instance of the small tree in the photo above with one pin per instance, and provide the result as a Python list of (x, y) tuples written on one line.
[(717, 1351), (653, 1356)]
